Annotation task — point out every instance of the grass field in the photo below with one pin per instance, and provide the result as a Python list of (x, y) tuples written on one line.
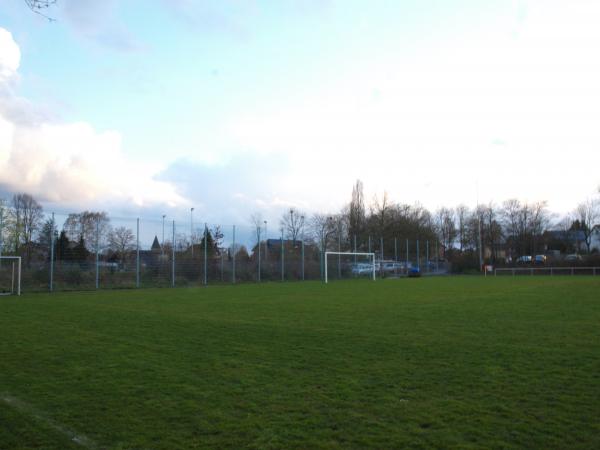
[(449, 362)]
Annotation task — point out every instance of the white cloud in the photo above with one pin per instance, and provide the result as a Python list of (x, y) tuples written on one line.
[(424, 125), (68, 163), (10, 56)]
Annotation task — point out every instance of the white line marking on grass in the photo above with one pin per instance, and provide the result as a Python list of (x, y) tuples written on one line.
[(25, 408)]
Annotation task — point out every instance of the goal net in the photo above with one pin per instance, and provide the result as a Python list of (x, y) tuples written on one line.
[(345, 265), (10, 275)]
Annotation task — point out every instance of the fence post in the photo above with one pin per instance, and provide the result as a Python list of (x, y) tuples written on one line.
[(513, 272), (302, 258), (233, 258), (258, 248), (406, 267), (282, 256), (205, 253), (173, 258), (97, 250), (572, 271), (551, 271), (51, 253), (137, 254)]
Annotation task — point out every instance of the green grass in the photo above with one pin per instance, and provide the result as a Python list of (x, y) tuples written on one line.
[(462, 362)]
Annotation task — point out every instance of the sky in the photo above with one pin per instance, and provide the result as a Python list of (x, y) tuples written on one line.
[(151, 107)]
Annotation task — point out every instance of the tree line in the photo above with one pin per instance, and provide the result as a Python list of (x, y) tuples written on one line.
[(499, 232)]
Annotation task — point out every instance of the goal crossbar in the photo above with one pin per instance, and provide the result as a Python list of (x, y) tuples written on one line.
[(15, 277), (372, 255)]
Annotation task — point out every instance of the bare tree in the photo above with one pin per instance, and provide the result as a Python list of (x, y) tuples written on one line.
[(85, 224), (588, 214), (256, 219), (462, 216), (27, 215), (40, 7), (322, 227), (292, 223), (121, 241), (446, 227)]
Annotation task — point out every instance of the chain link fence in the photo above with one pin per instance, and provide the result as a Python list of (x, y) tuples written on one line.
[(87, 252)]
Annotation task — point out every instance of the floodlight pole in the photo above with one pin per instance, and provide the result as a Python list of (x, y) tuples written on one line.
[(173, 257), (51, 252)]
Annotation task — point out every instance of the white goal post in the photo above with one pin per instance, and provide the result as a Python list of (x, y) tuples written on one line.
[(371, 255), (12, 266)]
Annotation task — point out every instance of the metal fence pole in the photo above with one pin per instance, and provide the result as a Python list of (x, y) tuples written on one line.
[(406, 268), (205, 254), (173, 258), (137, 254), (302, 258), (51, 253), (282, 256), (97, 251), (339, 251), (233, 258), (258, 249)]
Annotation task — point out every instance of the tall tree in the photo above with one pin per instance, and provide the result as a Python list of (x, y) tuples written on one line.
[(446, 227), (356, 212), (462, 218), (292, 223), (588, 214), (85, 224), (27, 219), (121, 241)]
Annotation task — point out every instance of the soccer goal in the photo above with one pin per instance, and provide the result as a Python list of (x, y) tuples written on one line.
[(349, 265), (10, 275)]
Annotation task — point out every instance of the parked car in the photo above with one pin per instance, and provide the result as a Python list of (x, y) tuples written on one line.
[(573, 257), (540, 259), (362, 268), (525, 259), (414, 272)]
